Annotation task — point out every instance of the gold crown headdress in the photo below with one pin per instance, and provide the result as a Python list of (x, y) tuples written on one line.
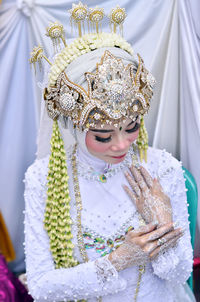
[(114, 93)]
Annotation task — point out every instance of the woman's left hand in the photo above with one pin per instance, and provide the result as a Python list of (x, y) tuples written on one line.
[(148, 196)]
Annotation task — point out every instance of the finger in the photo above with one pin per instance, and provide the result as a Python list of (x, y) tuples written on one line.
[(131, 194), (144, 229), (159, 232), (139, 179), (133, 184), (147, 177), (169, 236), (160, 249), (157, 184)]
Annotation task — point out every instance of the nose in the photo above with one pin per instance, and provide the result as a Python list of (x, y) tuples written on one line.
[(120, 143)]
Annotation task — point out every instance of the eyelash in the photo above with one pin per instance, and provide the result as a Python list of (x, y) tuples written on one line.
[(107, 139), (103, 140), (135, 128)]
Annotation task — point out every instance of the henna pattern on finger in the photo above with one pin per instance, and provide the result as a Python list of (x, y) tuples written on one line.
[(130, 193), (146, 176), (159, 233), (163, 248), (133, 184)]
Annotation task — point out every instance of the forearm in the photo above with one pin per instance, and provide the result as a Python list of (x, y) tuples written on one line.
[(176, 264), (81, 282)]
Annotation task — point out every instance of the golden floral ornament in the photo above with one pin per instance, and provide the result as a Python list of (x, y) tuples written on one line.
[(95, 16), (56, 32), (113, 94), (37, 55), (78, 15), (117, 17)]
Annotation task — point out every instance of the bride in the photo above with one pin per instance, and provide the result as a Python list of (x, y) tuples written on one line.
[(101, 224)]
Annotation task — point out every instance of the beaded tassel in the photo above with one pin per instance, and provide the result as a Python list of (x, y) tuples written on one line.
[(142, 141), (57, 221)]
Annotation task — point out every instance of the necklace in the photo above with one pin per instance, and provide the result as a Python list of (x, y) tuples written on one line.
[(80, 239), (89, 173), (78, 207)]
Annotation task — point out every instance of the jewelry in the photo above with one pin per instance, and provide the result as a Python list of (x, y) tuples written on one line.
[(161, 241), (79, 226), (89, 173), (78, 207), (107, 99), (117, 17), (141, 267)]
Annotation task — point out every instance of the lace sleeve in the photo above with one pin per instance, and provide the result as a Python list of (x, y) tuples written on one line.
[(106, 272), (45, 283), (176, 263)]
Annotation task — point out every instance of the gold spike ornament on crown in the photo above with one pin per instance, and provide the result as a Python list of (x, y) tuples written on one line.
[(56, 32), (78, 15), (36, 56), (117, 17), (95, 17)]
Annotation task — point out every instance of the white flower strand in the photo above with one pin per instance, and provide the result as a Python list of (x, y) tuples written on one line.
[(81, 46)]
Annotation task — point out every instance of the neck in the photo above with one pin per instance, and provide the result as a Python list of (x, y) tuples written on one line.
[(90, 160)]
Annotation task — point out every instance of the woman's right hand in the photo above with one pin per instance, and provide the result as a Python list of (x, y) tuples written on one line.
[(144, 244)]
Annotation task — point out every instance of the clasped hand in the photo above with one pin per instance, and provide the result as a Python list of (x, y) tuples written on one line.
[(145, 244)]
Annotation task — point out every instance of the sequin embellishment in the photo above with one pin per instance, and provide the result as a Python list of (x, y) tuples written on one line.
[(102, 178), (104, 246)]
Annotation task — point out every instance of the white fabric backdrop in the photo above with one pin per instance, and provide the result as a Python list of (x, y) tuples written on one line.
[(166, 34)]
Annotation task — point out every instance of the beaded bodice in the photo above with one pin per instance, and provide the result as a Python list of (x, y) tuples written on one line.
[(105, 217)]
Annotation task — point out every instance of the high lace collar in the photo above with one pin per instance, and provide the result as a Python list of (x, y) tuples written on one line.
[(95, 169), (91, 161)]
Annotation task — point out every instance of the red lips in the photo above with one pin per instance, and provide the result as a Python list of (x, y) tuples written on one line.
[(118, 157)]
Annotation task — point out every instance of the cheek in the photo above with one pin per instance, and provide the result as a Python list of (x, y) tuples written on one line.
[(94, 146)]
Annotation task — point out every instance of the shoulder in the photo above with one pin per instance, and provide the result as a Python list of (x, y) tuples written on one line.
[(161, 164), (36, 174), (162, 158)]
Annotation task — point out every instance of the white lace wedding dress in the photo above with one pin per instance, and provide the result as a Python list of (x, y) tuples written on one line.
[(107, 214)]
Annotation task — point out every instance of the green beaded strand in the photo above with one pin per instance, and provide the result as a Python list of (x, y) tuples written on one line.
[(142, 141), (57, 221)]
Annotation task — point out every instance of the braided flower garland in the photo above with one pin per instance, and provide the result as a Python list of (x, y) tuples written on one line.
[(57, 221), (142, 141)]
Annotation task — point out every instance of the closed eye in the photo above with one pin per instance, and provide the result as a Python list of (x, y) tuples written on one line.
[(103, 139), (135, 128)]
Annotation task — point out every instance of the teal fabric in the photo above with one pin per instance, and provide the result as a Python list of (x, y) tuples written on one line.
[(192, 199)]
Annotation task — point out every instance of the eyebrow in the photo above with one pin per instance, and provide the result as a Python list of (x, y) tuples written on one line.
[(108, 131)]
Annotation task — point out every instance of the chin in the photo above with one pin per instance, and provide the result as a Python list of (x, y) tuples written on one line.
[(115, 160)]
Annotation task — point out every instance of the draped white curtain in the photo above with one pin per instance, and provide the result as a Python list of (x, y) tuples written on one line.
[(165, 33)]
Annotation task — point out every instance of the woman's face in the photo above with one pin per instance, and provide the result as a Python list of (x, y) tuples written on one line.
[(111, 143)]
